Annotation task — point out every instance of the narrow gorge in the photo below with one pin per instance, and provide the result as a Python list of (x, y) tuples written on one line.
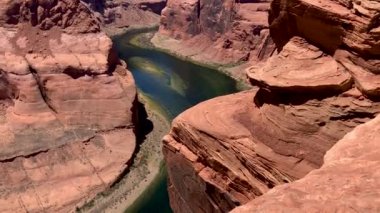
[(189, 106)]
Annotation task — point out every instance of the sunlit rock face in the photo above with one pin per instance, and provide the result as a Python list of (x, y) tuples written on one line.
[(347, 30), (66, 107), (319, 84), (348, 181), (223, 32)]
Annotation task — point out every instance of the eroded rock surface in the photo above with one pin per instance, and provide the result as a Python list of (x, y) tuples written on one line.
[(66, 107), (116, 14), (347, 30), (348, 181), (301, 67), (232, 149), (319, 84), (223, 32)]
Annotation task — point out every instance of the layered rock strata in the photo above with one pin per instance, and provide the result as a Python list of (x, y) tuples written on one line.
[(232, 149), (318, 86), (348, 181), (348, 31), (223, 32), (67, 107)]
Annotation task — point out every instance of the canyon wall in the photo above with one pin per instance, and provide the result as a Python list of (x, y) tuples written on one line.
[(320, 83), (67, 107), (348, 181), (115, 14), (212, 31)]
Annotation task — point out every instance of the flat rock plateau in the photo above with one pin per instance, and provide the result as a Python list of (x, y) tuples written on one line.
[(315, 71), (67, 107)]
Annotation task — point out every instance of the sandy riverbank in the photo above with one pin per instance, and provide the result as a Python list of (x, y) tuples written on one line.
[(143, 171)]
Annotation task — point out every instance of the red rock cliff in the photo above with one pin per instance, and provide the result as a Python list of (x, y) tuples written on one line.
[(223, 32), (348, 181), (66, 107), (321, 83), (125, 13)]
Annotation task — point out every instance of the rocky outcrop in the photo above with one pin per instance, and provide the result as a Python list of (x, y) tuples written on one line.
[(305, 69), (67, 107), (125, 13), (349, 31), (223, 32), (46, 14), (318, 86), (348, 181), (232, 149)]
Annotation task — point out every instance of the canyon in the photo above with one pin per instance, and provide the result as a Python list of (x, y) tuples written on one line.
[(68, 112), (302, 137), (314, 68)]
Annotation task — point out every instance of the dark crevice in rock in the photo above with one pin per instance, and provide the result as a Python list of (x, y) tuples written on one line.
[(116, 128), (266, 96), (199, 9), (218, 197), (354, 115), (12, 14), (113, 59), (7, 90), (374, 23), (24, 156), (77, 73), (41, 88), (96, 5), (155, 7), (141, 128), (37, 152)]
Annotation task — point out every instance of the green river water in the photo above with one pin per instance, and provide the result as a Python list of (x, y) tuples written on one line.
[(175, 85)]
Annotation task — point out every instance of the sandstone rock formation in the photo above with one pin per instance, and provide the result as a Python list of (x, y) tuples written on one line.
[(232, 149), (67, 107), (223, 32), (126, 13), (320, 84), (349, 31), (348, 181)]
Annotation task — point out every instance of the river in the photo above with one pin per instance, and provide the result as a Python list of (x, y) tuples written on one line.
[(175, 85)]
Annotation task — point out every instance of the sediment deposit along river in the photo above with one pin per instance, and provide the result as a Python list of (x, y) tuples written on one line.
[(174, 85)]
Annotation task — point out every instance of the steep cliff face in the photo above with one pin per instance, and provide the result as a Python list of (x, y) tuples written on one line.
[(223, 32), (66, 107), (227, 151), (125, 13), (349, 31), (348, 181), (320, 84)]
